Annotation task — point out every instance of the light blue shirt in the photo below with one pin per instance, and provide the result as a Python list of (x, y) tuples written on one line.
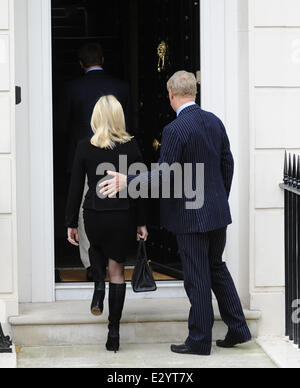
[(94, 68), (185, 106)]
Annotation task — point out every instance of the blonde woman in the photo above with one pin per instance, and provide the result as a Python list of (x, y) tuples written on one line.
[(111, 224)]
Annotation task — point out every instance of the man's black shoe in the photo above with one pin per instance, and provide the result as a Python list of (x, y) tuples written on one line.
[(185, 349), (228, 343)]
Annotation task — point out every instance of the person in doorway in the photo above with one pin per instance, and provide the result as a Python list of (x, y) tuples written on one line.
[(77, 104), (197, 138), (111, 225)]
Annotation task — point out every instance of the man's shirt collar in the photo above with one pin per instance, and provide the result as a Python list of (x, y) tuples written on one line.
[(94, 68), (191, 103)]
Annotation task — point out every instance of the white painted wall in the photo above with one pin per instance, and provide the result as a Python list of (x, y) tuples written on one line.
[(8, 235), (274, 126), (224, 55)]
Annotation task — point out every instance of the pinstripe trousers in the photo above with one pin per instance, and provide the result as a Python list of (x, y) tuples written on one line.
[(204, 270)]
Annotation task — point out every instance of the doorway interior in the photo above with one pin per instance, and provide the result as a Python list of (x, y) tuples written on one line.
[(130, 32)]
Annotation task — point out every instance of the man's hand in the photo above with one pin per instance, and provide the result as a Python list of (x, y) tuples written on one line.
[(73, 237), (112, 187)]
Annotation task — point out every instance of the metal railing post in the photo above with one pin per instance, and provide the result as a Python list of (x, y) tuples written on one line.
[(287, 266), (293, 240), (291, 187), (5, 342), (298, 243)]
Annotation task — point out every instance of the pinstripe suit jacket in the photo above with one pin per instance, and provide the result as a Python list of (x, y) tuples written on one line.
[(195, 137)]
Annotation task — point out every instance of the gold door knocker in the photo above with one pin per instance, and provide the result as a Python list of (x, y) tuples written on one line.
[(156, 145), (161, 52)]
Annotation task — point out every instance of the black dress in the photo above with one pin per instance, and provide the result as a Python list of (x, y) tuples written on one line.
[(110, 224)]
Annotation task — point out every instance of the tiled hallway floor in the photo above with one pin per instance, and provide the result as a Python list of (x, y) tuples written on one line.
[(140, 356)]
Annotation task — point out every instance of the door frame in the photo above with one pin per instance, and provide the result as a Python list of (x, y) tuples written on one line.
[(41, 150), (214, 40)]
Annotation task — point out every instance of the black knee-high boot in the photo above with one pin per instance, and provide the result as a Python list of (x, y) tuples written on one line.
[(98, 265), (98, 299), (117, 294)]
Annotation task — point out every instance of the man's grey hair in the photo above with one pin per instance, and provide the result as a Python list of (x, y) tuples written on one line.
[(183, 84)]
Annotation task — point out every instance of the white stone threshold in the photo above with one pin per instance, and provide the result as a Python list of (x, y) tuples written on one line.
[(78, 312), (282, 351), (84, 291)]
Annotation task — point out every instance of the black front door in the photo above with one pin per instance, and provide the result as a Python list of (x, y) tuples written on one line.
[(171, 28), (75, 22), (130, 32)]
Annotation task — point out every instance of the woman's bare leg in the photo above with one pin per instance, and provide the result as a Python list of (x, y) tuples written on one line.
[(116, 272)]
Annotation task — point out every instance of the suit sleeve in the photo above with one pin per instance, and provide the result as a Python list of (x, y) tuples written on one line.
[(62, 125), (141, 204), (227, 162), (65, 110), (127, 108), (76, 189), (172, 148), (171, 152)]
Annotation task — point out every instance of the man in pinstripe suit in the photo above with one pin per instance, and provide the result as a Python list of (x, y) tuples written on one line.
[(198, 137)]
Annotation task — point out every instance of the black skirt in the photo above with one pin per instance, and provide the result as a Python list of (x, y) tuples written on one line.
[(111, 232)]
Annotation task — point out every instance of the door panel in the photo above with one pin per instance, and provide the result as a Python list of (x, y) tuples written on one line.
[(130, 32), (72, 26), (177, 23)]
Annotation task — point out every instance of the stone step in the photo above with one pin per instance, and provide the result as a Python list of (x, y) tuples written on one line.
[(144, 321), (135, 356)]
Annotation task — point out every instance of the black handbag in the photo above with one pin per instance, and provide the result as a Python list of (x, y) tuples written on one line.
[(142, 278)]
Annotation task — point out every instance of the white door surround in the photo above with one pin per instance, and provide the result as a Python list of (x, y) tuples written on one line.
[(218, 44), (41, 150)]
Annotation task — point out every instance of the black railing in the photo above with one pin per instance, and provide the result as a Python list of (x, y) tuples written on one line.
[(291, 187), (5, 342)]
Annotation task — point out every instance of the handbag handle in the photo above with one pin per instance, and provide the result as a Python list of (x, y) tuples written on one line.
[(142, 245)]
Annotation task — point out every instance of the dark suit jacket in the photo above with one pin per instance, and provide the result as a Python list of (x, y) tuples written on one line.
[(195, 137), (78, 102), (87, 159)]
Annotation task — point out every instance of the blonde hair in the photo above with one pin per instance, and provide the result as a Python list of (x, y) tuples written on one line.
[(108, 123), (183, 84)]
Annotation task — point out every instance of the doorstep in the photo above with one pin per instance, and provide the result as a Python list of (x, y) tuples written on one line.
[(144, 321), (84, 291), (281, 351), (247, 356)]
